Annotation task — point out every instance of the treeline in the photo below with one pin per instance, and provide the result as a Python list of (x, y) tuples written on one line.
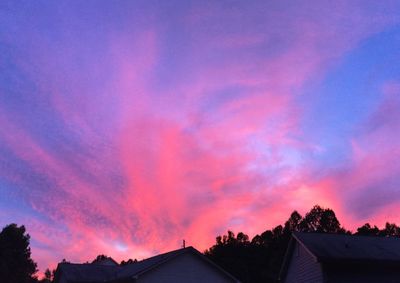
[(260, 259), (255, 260)]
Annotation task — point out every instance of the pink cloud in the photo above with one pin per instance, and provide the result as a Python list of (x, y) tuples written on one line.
[(366, 189), (150, 164)]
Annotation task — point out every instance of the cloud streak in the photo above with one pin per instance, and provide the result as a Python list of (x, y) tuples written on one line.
[(124, 130)]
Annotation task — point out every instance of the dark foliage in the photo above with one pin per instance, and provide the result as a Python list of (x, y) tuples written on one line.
[(321, 220), (255, 260), (367, 230), (16, 265), (101, 258), (48, 276), (129, 261), (260, 259), (390, 230)]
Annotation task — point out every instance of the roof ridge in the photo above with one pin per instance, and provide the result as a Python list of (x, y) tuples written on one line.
[(138, 268), (346, 235)]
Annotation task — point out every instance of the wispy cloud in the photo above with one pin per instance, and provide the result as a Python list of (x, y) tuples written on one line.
[(124, 130)]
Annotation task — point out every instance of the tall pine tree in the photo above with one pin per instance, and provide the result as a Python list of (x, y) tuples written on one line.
[(16, 265)]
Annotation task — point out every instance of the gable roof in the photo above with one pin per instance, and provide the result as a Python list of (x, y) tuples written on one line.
[(343, 248), (88, 273), (350, 248), (140, 267)]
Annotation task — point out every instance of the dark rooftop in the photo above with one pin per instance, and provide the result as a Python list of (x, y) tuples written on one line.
[(338, 247), (144, 265), (92, 272), (87, 272)]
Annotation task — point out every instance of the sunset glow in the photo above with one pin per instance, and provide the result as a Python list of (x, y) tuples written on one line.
[(127, 126)]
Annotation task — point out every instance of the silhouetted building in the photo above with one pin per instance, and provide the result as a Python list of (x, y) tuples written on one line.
[(316, 257), (183, 265), (106, 261)]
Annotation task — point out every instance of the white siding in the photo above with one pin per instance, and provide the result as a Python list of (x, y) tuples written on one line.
[(302, 267), (186, 268)]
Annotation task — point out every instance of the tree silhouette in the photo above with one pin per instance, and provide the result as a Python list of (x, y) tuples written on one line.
[(255, 260), (129, 261), (101, 258), (260, 259), (294, 222), (16, 265), (367, 230), (236, 255), (48, 276), (391, 229), (321, 220)]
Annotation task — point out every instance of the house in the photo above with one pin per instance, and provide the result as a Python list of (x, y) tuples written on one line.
[(316, 257), (103, 260), (183, 265)]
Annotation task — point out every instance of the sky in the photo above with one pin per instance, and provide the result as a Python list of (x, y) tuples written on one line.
[(127, 126)]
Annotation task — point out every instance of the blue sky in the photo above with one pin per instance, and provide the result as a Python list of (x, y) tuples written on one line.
[(127, 126)]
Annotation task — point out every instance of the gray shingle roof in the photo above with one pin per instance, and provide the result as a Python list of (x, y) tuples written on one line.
[(87, 272), (93, 273), (137, 268), (334, 247)]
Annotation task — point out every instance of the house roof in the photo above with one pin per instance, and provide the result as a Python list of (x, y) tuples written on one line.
[(140, 267), (345, 249), (88, 273), (350, 248)]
